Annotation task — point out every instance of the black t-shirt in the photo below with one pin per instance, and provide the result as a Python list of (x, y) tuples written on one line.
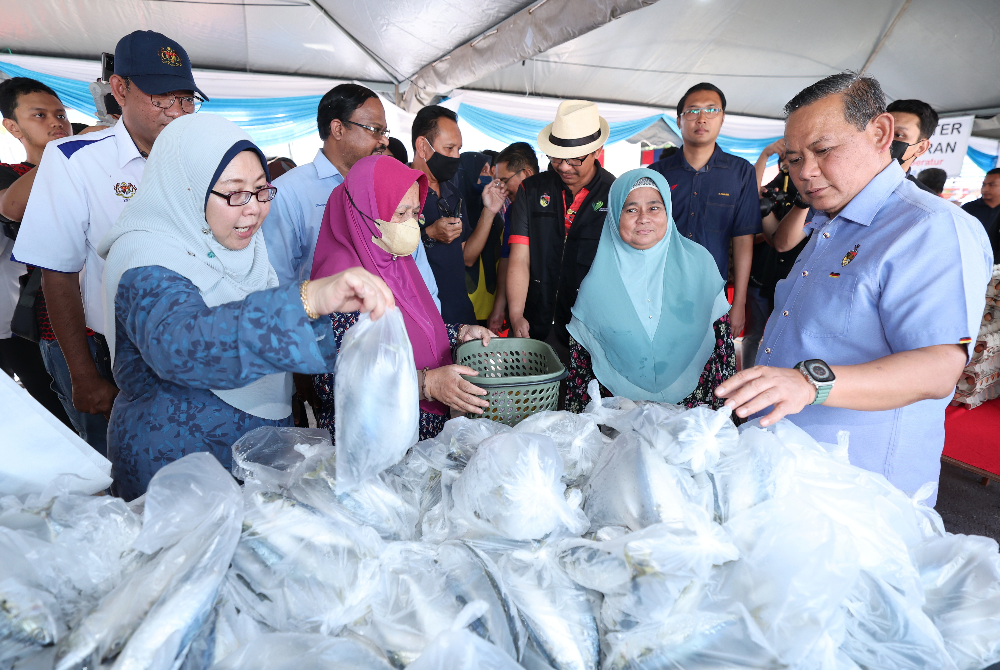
[(990, 218), (769, 265), (11, 172), (447, 260)]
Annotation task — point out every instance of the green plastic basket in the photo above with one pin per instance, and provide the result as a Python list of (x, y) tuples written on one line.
[(521, 376)]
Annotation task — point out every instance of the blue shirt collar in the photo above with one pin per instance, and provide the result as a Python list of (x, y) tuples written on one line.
[(324, 168), (718, 159), (863, 207)]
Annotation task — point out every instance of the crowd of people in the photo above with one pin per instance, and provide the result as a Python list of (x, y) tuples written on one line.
[(168, 289)]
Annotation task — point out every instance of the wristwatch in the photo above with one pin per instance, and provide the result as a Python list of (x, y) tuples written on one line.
[(819, 374)]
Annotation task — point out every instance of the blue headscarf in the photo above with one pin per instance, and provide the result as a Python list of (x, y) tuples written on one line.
[(646, 317)]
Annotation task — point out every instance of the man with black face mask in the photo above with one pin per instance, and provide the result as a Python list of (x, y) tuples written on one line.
[(437, 143)]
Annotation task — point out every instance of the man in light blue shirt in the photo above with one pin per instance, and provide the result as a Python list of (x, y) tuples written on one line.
[(882, 304), (352, 125)]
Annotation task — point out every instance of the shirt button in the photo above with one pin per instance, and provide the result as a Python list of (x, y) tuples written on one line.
[(805, 273), (696, 193), (767, 351), (826, 235), (785, 313)]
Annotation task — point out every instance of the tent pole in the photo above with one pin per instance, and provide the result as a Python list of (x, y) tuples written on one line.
[(885, 36), (358, 44)]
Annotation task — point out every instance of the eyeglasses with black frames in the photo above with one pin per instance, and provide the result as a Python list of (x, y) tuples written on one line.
[(240, 198)]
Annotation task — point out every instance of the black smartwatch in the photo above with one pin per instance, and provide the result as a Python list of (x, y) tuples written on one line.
[(819, 374)]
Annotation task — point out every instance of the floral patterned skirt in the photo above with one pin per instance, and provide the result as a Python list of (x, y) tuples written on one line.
[(721, 366)]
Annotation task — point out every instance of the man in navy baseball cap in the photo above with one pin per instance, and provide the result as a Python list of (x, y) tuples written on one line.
[(156, 63), (154, 85)]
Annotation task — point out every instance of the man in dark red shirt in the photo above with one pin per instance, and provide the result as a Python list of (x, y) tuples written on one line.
[(34, 115)]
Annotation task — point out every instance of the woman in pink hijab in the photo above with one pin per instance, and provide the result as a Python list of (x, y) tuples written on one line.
[(371, 221)]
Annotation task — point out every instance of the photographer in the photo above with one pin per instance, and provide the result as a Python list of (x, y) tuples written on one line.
[(782, 212)]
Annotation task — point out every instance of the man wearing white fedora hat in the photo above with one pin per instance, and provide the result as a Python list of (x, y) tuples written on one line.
[(555, 225)]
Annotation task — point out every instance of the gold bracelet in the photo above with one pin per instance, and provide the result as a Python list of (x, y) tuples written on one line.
[(303, 288)]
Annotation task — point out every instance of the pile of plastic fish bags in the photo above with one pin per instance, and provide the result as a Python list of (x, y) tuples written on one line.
[(630, 536)]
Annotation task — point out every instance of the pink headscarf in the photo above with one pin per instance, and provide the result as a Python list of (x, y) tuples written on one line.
[(345, 241)]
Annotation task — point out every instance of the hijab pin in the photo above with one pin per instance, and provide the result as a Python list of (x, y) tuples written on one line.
[(190, 253), (206, 230), (211, 254)]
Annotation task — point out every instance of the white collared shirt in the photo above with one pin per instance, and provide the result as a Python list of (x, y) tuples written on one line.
[(83, 184)]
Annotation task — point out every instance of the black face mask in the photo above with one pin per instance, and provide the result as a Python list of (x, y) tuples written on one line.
[(442, 167), (898, 149)]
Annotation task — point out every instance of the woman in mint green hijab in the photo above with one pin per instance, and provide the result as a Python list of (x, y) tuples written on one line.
[(651, 320)]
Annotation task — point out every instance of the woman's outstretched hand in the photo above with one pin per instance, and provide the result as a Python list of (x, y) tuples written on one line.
[(353, 290), (446, 385)]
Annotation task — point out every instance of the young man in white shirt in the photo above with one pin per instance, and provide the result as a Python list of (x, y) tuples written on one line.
[(82, 185)]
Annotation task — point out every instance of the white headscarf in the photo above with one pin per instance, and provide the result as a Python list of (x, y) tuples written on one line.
[(165, 226)]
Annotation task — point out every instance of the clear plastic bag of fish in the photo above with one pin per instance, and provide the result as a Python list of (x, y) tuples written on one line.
[(72, 546), (605, 411), (693, 641), (299, 570), (304, 651), (376, 398), (462, 650), (885, 629), (761, 469), (576, 436), (423, 589), (558, 615), (693, 439), (642, 574), (961, 579), (271, 455), (634, 487), (454, 446), (513, 487), (796, 567), (191, 524)]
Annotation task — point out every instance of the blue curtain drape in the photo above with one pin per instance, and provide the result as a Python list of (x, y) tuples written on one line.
[(983, 160), (266, 120)]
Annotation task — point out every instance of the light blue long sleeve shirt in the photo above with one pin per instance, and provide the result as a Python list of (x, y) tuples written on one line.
[(292, 227)]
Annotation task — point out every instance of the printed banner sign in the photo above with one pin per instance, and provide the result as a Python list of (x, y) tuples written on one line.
[(949, 144)]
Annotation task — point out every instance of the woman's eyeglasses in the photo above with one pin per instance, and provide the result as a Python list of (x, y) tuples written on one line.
[(240, 198)]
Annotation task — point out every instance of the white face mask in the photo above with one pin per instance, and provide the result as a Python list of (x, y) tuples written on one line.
[(399, 239)]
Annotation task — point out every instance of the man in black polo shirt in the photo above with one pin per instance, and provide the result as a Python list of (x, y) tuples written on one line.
[(915, 122), (714, 194), (987, 209), (555, 225), (437, 143)]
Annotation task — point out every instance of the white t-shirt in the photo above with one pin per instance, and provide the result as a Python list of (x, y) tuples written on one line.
[(83, 184), (10, 289)]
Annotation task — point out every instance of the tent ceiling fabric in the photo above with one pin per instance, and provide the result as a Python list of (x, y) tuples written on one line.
[(760, 52), (527, 33)]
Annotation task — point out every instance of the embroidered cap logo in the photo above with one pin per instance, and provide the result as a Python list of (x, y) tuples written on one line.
[(170, 57)]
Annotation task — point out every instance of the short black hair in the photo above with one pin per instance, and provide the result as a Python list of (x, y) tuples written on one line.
[(518, 156), (426, 123), (920, 109), (492, 153), (863, 97), (703, 86), (13, 88), (933, 178), (339, 103), (994, 171), (398, 150)]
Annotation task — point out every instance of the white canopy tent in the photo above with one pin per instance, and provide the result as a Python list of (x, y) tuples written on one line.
[(520, 57), (639, 52)]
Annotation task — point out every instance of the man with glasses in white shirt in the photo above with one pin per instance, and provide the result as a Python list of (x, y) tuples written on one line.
[(83, 184), (714, 194)]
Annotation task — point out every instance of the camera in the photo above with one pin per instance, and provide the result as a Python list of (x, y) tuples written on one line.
[(771, 197), (10, 228)]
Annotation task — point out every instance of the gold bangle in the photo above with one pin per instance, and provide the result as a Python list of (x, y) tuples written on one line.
[(303, 288)]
